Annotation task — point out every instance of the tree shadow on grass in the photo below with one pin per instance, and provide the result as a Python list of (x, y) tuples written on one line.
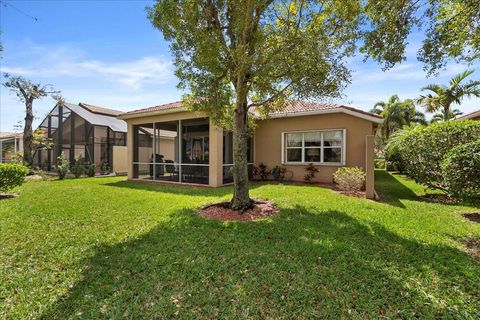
[(172, 188), (301, 264), (391, 191)]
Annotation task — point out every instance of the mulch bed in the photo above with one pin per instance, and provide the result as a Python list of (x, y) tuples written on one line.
[(356, 194), (473, 248), (439, 198), (221, 211), (472, 216), (8, 195)]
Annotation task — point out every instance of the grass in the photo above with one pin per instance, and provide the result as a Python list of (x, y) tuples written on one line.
[(108, 248)]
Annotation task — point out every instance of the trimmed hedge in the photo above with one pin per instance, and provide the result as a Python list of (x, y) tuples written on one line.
[(12, 175), (461, 170), (420, 151), (349, 178)]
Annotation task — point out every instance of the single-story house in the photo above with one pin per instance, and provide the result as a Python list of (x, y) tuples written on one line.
[(10, 144), (198, 152), (474, 115)]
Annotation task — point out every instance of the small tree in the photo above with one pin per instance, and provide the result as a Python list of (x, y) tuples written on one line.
[(27, 92), (62, 166), (235, 56), (443, 97)]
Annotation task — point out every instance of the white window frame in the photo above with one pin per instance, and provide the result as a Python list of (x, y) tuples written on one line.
[(302, 162)]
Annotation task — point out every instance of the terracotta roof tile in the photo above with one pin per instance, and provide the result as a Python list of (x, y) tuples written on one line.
[(172, 105), (291, 107)]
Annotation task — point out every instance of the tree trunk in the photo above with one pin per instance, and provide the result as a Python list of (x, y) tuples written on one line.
[(28, 134), (446, 113), (241, 199)]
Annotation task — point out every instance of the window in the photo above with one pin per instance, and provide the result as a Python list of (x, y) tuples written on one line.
[(314, 146)]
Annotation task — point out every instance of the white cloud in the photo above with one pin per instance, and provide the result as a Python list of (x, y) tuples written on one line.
[(50, 63)]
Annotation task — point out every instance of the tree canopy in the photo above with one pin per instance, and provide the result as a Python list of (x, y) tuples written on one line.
[(231, 56), (442, 97)]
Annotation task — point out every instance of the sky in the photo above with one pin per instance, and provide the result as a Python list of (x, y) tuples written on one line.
[(107, 53)]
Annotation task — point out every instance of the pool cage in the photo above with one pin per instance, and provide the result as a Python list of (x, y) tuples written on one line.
[(81, 131)]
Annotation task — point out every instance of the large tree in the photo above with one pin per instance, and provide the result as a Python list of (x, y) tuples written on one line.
[(232, 56), (397, 114), (27, 92), (442, 97)]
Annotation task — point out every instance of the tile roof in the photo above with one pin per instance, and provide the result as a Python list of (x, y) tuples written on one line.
[(161, 107), (5, 135), (469, 115), (291, 108), (100, 110)]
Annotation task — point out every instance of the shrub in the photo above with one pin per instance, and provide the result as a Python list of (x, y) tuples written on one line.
[(461, 170), (104, 167), (78, 168), (422, 149), (379, 163), (349, 178), (278, 173), (311, 171), (261, 171), (90, 169), (393, 152), (11, 175), (62, 166)]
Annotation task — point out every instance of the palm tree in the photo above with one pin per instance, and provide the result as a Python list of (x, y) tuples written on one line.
[(442, 96), (396, 114), (438, 117)]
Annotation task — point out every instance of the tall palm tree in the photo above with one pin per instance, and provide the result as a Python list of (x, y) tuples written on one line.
[(396, 114), (442, 96), (438, 117)]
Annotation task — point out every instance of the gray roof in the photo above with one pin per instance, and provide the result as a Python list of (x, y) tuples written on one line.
[(98, 119)]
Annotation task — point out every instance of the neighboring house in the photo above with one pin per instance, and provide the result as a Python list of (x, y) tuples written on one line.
[(474, 115), (10, 144), (327, 135), (82, 130)]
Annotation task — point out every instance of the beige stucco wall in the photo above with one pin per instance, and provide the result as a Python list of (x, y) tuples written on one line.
[(268, 141), (120, 163)]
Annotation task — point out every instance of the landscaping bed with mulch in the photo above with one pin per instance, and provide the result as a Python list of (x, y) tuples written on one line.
[(472, 216), (473, 247), (221, 211)]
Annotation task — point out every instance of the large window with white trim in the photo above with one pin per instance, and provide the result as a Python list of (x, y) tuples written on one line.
[(322, 146)]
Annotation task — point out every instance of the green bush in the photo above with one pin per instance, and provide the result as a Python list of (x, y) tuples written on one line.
[(349, 178), (78, 168), (261, 171), (90, 170), (62, 166), (278, 173), (422, 149), (11, 175), (393, 152), (311, 171), (461, 170), (104, 167), (379, 163)]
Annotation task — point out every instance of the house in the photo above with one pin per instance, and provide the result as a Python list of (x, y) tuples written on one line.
[(474, 115), (199, 152), (83, 130), (10, 144)]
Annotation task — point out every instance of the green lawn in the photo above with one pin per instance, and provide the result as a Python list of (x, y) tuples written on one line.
[(107, 248)]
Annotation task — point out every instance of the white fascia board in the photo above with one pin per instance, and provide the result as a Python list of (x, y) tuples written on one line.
[(150, 113)]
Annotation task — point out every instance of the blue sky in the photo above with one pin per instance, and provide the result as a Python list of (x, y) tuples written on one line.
[(107, 53)]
